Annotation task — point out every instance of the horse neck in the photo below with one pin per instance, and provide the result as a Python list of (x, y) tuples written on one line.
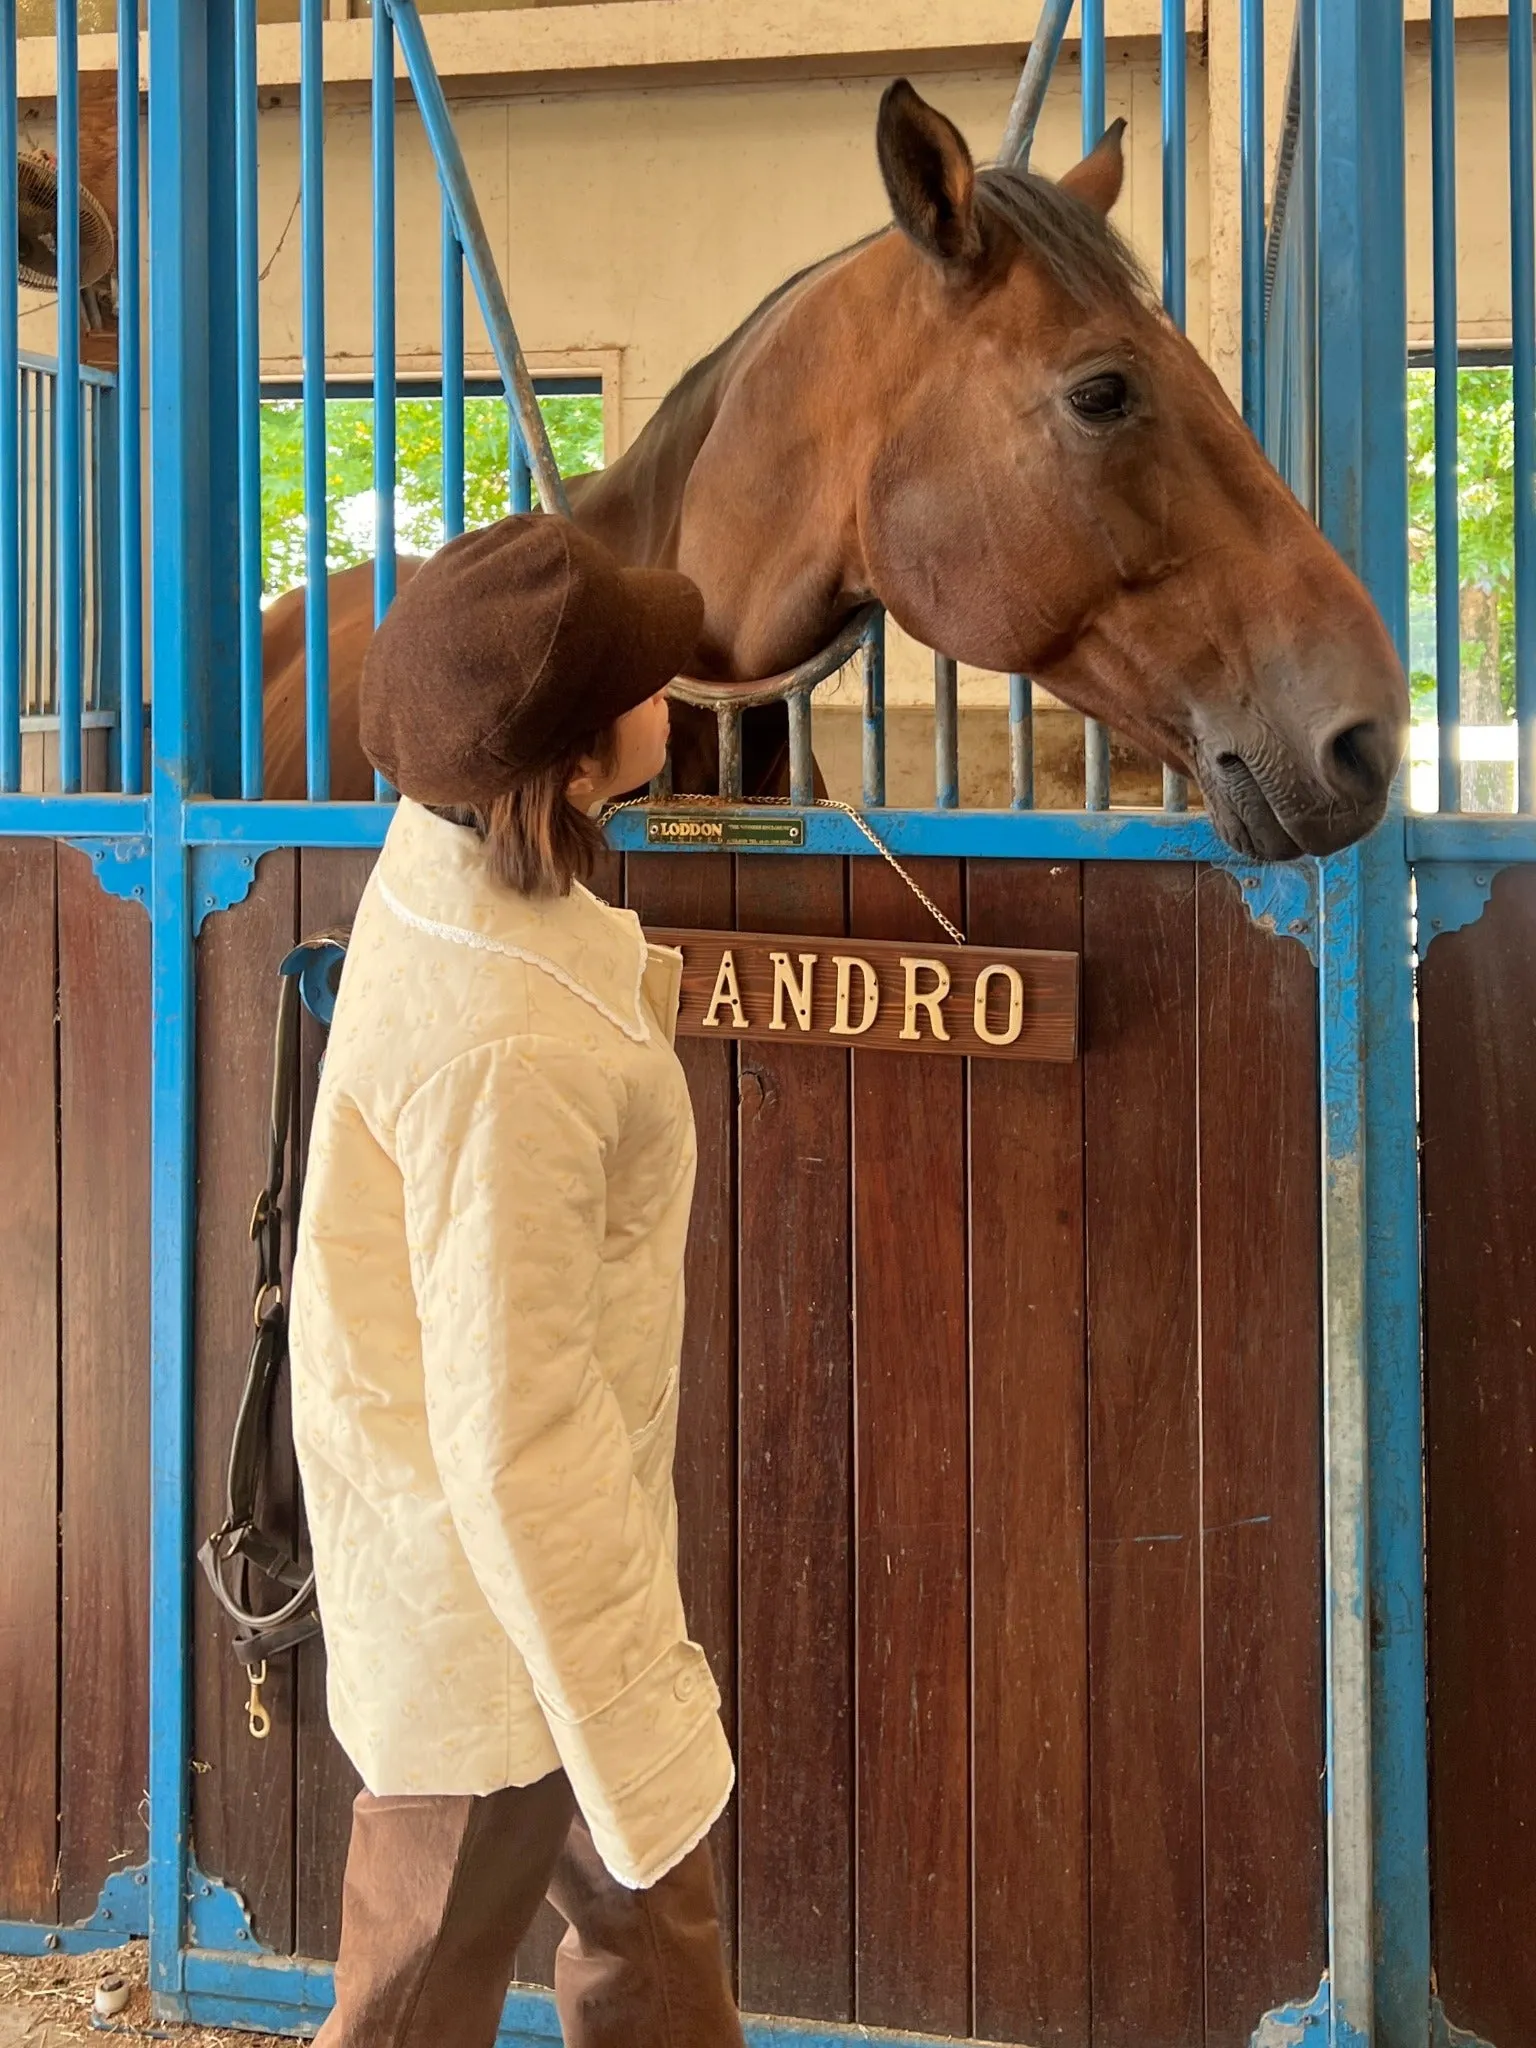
[(747, 476)]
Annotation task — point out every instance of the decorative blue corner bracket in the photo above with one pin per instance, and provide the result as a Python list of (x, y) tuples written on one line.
[(1281, 899), (221, 878), (121, 1915), (1449, 895), (121, 865)]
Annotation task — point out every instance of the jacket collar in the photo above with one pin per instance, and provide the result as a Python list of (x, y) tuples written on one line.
[(433, 876)]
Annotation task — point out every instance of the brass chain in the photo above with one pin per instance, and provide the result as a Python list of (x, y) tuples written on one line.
[(820, 803)]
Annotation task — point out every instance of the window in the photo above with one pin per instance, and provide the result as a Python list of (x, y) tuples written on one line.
[(573, 413), (1486, 502)]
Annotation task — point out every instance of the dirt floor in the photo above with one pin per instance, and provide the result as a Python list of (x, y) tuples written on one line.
[(46, 2003)]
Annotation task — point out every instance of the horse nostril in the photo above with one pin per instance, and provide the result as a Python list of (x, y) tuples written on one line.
[(1355, 765)]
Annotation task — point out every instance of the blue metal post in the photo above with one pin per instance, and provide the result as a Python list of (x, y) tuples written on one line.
[(432, 105), (1442, 41), (1019, 134), (946, 732), (874, 714), (453, 377), (70, 500), (182, 314), (1175, 257), (519, 475), (222, 735), (383, 324), (1021, 743), (1522, 244), (317, 622), (1377, 1740), (10, 434), (1095, 736), (130, 461), (1250, 59), (248, 399)]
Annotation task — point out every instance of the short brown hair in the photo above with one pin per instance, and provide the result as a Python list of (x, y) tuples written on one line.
[(536, 840)]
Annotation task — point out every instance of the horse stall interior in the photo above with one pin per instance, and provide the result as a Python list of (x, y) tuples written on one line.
[(1072, 1470)]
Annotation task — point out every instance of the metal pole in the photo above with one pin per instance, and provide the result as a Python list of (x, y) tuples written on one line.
[(1024, 114)]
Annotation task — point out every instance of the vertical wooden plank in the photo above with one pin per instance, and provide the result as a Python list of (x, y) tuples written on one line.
[(1029, 1502), (104, 1012), (1477, 1024), (697, 890), (1261, 1432), (242, 1793), (330, 886), (29, 1384), (795, 1751), (1143, 1455), (911, 1430)]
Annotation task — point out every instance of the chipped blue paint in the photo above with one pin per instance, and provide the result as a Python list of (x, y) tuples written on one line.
[(73, 817), (217, 1917), (1449, 896), (221, 878), (1296, 2026), (1501, 841), (122, 866), (121, 1915), (1281, 900)]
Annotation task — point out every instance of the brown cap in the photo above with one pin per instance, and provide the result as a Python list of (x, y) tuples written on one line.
[(509, 645)]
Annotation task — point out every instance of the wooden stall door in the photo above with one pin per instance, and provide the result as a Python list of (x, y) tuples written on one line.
[(74, 1382), (999, 1471)]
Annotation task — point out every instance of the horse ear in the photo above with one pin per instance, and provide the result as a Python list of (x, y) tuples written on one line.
[(929, 175), (1098, 178)]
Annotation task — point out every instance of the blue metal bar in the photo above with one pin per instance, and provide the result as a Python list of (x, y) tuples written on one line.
[(1485, 840), (990, 835), (519, 475), (1021, 742), (1175, 57), (1024, 114), (1093, 73), (1095, 766), (1522, 246), (248, 401), (1442, 94), (460, 193), (130, 457), (11, 604), (946, 732), (384, 573), (1377, 1738), (317, 622), (1095, 737), (73, 817), (453, 377), (1250, 61), (874, 714), (68, 503), (802, 765), (182, 314)]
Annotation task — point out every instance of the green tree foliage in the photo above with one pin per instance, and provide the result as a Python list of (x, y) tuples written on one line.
[(575, 430), (1485, 494)]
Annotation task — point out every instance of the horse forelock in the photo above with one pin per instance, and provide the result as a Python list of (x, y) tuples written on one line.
[(1076, 245)]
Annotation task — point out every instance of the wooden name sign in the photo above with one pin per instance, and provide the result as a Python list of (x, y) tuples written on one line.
[(886, 995)]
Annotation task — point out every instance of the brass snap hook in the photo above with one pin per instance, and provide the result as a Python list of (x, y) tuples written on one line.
[(259, 1720)]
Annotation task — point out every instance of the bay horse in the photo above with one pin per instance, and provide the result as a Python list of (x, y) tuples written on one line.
[(980, 417)]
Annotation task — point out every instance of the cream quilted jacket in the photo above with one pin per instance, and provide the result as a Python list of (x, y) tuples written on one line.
[(487, 1322)]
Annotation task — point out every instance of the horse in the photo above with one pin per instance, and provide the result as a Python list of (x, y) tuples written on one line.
[(980, 417)]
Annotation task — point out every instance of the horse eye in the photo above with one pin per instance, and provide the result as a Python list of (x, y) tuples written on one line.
[(1101, 398)]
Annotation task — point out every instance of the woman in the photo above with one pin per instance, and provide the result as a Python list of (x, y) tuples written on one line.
[(487, 1328)]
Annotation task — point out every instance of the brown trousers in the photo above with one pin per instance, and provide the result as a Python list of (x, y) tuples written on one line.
[(440, 1891)]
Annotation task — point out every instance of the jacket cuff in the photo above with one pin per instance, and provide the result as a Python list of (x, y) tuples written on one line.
[(652, 1770)]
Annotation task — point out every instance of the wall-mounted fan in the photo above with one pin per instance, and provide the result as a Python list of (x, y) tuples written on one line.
[(37, 176)]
